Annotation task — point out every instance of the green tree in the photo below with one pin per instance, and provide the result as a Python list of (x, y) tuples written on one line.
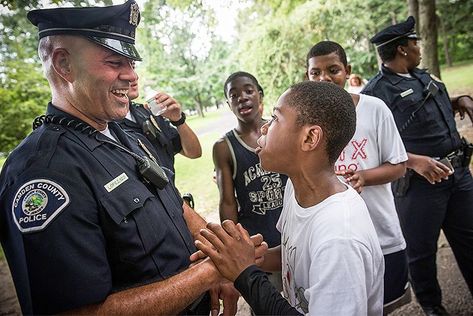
[(171, 60), (273, 44)]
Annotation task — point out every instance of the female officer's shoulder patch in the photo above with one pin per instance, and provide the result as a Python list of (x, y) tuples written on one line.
[(37, 203)]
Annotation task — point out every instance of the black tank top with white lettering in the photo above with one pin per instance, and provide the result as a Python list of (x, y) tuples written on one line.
[(259, 193)]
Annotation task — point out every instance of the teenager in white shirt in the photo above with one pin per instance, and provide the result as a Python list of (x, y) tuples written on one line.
[(374, 157), (330, 256)]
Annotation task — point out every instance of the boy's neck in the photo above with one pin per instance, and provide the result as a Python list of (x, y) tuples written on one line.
[(250, 127), (311, 188)]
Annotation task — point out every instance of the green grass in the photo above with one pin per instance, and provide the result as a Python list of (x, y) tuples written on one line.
[(459, 78), (196, 176), (196, 122)]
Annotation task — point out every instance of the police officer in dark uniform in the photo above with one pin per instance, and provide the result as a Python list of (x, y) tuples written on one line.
[(168, 132), (88, 220), (437, 192)]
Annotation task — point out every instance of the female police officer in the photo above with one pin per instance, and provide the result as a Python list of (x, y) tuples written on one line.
[(433, 195)]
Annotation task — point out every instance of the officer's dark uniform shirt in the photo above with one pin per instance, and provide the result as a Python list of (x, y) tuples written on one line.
[(167, 142), (88, 225), (433, 130), (259, 193)]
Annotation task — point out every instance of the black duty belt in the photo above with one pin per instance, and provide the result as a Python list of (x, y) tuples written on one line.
[(456, 158)]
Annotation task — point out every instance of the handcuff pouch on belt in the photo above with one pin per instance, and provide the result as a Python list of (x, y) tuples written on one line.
[(401, 185)]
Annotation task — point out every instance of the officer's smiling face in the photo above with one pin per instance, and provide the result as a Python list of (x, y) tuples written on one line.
[(101, 82), (328, 68)]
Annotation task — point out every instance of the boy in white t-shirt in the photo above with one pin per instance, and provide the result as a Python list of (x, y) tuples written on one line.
[(373, 158), (330, 257)]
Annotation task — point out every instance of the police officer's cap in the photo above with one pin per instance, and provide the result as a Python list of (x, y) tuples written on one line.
[(112, 27), (396, 31)]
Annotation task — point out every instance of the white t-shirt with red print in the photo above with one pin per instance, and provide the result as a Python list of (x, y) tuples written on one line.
[(375, 142)]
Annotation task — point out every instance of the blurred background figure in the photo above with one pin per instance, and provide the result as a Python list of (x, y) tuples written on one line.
[(355, 84)]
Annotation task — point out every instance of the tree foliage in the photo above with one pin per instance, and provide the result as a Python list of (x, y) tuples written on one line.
[(173, 59), (182, 54), (276, 53)]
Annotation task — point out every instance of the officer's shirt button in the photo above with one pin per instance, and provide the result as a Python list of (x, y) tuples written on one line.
[(55, 128), (136, 200)]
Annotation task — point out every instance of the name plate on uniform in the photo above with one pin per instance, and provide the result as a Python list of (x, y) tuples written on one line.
[(406, 93), (116, 182)]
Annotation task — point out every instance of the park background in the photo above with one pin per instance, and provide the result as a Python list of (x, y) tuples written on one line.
[(190, 47)]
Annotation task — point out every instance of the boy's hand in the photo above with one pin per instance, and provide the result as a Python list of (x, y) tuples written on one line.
[(355, 179), (260, 250), (231, 249)]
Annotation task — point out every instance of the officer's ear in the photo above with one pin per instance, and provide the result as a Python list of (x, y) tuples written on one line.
[(61, 62), (402, 50)]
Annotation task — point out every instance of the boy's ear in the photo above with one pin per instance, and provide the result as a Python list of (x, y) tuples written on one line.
[(312, 137), (61, 62)]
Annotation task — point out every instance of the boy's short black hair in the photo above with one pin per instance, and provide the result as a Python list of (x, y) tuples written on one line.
[(238, 74), (388, 51), (325, 48), (328, 106)]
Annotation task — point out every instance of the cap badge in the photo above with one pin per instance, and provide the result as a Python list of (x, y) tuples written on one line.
[(134, 14)]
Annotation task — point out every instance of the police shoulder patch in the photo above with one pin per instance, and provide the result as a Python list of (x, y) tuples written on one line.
[(37, 203)]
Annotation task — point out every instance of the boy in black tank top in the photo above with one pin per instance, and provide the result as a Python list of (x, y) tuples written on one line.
[(248, 194)]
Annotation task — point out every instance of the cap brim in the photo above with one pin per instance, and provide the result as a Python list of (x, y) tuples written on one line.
[(120, 47)]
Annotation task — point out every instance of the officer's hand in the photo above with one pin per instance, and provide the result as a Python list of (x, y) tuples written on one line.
[(230, 249), (224, 291), (355, 179), (465, 104), (431, 169), (173, 108)]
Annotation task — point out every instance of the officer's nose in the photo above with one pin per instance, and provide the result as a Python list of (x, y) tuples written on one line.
[(128, 73)]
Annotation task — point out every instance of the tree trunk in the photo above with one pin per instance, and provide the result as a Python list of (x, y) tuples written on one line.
[(446, 42), (198, 102), (428, 33), (414, 11)]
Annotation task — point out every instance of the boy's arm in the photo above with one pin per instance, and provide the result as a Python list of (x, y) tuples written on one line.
[(261, 295), (224, 171), (272, 260)]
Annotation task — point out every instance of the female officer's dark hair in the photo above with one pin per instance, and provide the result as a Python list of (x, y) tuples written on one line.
[(388, 51), (325, 48), (238, 74), (328, 106)]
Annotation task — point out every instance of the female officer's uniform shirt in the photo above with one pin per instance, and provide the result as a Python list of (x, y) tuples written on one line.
[(259, 193), (433, 131), (87, 223)]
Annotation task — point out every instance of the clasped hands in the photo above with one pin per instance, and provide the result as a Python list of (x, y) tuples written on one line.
[(231, 250)]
